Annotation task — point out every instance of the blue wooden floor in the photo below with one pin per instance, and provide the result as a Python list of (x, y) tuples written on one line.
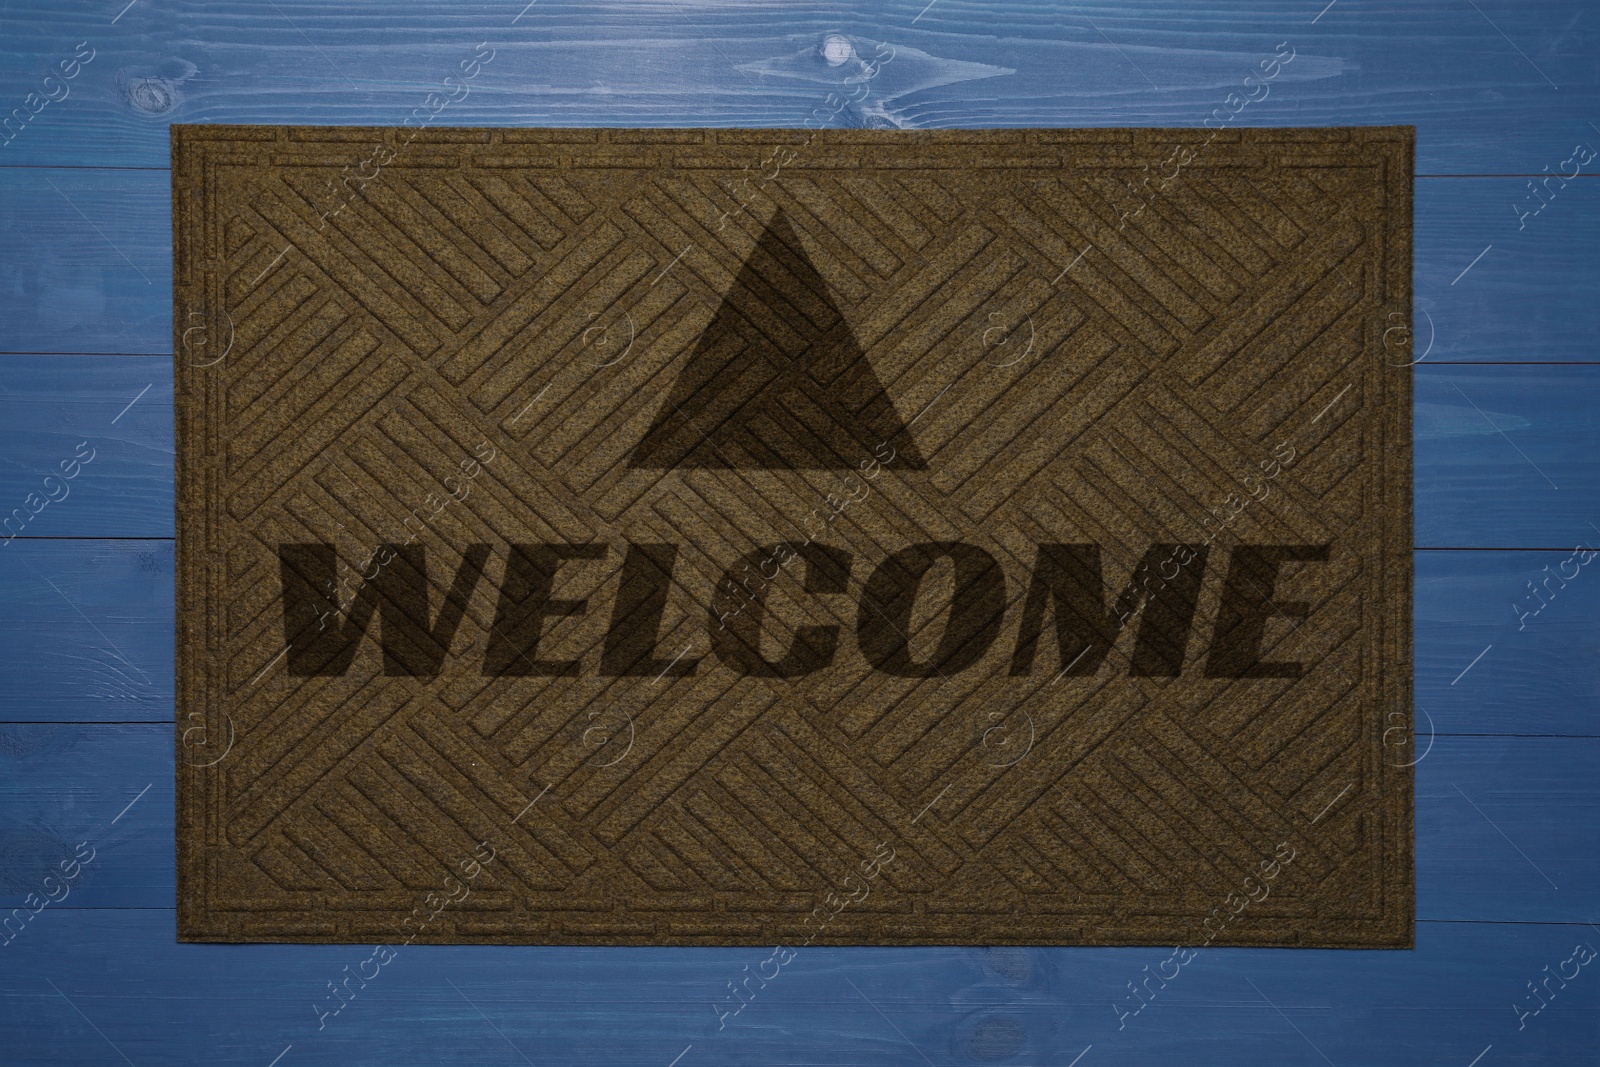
[(1502, 92)]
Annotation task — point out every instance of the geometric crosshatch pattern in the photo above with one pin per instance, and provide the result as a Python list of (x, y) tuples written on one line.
[(776, 537)]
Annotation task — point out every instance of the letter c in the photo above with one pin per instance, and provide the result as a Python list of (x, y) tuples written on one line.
[(737, 641)]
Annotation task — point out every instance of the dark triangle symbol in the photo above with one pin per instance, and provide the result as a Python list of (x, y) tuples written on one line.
[(777, 381)]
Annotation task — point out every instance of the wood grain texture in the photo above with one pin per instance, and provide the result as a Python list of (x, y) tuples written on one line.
[(1498, 90), (56, 409), (62, 784), (87, 260), (1527, 297), (1505, 456), (1486, 663), (111, 656), (159, 1002)]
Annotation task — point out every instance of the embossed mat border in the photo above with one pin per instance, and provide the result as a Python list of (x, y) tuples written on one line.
[(212, 673)]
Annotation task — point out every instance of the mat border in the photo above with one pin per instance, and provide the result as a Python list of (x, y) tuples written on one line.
[(194, 147)]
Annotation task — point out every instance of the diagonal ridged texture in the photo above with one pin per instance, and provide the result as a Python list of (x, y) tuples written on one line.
[(785, 537)]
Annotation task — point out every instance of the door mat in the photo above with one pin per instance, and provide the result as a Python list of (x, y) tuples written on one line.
[(775, 537)]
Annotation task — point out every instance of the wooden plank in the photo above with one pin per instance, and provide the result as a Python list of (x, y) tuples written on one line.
[(953, 64), (66, 785), (1504, 456), (83, 986), (1507, 827), (86, 266), (86, 260), (86, 630), (1512, 303), (115, 412), (1487, 662), (1487, 847)]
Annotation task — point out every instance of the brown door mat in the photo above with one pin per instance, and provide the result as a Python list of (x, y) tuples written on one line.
[(608, 536)]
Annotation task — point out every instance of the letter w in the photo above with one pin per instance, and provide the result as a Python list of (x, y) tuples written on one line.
[(322, 644), (1068, 578)]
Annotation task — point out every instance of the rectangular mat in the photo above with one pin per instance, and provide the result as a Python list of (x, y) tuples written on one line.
[(779, 537)]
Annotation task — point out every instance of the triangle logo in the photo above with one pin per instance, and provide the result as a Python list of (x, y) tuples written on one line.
[(777, 381)]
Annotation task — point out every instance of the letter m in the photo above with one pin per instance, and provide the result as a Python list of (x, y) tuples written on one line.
[(1068, 579), (322, 643)]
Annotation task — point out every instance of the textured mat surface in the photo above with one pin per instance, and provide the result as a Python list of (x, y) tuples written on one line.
[(779, 537)]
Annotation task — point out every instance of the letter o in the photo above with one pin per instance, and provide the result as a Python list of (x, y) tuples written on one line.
[(972, 620)]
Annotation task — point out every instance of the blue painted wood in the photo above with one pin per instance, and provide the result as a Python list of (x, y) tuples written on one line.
[(1485, 663), (86, 266), (1507, 828), (1530, 295), (57, 411), (86, 260), (61, 785), (86, 630), (58, 784), (1506, 457), (1519, 76), (160, 1002)]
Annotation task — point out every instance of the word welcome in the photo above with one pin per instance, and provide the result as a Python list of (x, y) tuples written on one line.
[(1066, 582), (34, 503), (1182, 955), (382, 955), (35, 102), (70, 869), (782, 955)]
